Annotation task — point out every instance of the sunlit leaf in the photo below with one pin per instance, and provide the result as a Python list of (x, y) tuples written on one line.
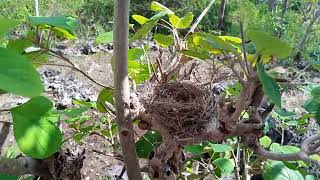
[(163, 40), (74, 112), (181, 23), (265, 141), (155, 6), (138, 71), (140, 19), (270, 87), (36, 136), (106, 37), (269, 45), (67, 23), (17, 75)]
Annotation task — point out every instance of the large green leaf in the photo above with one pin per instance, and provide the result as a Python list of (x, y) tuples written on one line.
[(6, 25), (181, 23), (106, 37), (17, 75), (163, 40), (270, 87), (155, 6), (62, 26), (196, 149), (269, 45), (8, 177), (220, 147), (144, 30), (147, 143), (140, 19), (225, 165), (106, 95), (212, 43), (276, 170), (35, 134), (315, 93)]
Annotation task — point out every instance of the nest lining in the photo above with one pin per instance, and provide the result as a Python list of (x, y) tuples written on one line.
[(184, 109)]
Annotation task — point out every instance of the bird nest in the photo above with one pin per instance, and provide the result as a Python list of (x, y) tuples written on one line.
[(182, 108)]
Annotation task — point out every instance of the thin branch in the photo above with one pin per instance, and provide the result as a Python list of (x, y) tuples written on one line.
[(4, 110), (243, 48), (4, 133)]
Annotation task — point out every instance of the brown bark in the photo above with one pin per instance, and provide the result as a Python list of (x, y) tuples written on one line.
[(219, 24), (122, 91), (4, 133)]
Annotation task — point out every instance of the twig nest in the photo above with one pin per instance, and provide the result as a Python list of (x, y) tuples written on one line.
[(180, 107)]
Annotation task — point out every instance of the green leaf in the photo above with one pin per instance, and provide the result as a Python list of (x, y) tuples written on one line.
[(106, 95), (62, 33), (8, 177), (213, 44), (6, 25), (19, 45), (310, 177), (195, 54), (269, 45), (18, 76), (276, 170), (234, 40), (140, 19), (220, 147), (265, 141), (147, 143), (155, 6), (315, 93), (74, 112), (135, 54), (181, 23), (138, 71), (270, 87), (225, 165), (2, 91), (196, 148), (36, 136), (163, 40), (143, 31), (106, 37), (311, 106), (67, 23)]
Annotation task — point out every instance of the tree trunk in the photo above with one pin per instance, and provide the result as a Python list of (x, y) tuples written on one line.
[(300, 45), (272, 5), (283, 12), (122, 91), (221, 15)]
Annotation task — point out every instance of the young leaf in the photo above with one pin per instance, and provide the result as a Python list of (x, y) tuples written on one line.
[(106, 37), (181, 23), (163, 40), (195, 149), (18, 76), (144, 30), (36, 136), (104, 95), (270, 87), (138, 72), (140, 19), (225, 165), (147, 143), (269, 45), (6, 25), (155, 6)]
